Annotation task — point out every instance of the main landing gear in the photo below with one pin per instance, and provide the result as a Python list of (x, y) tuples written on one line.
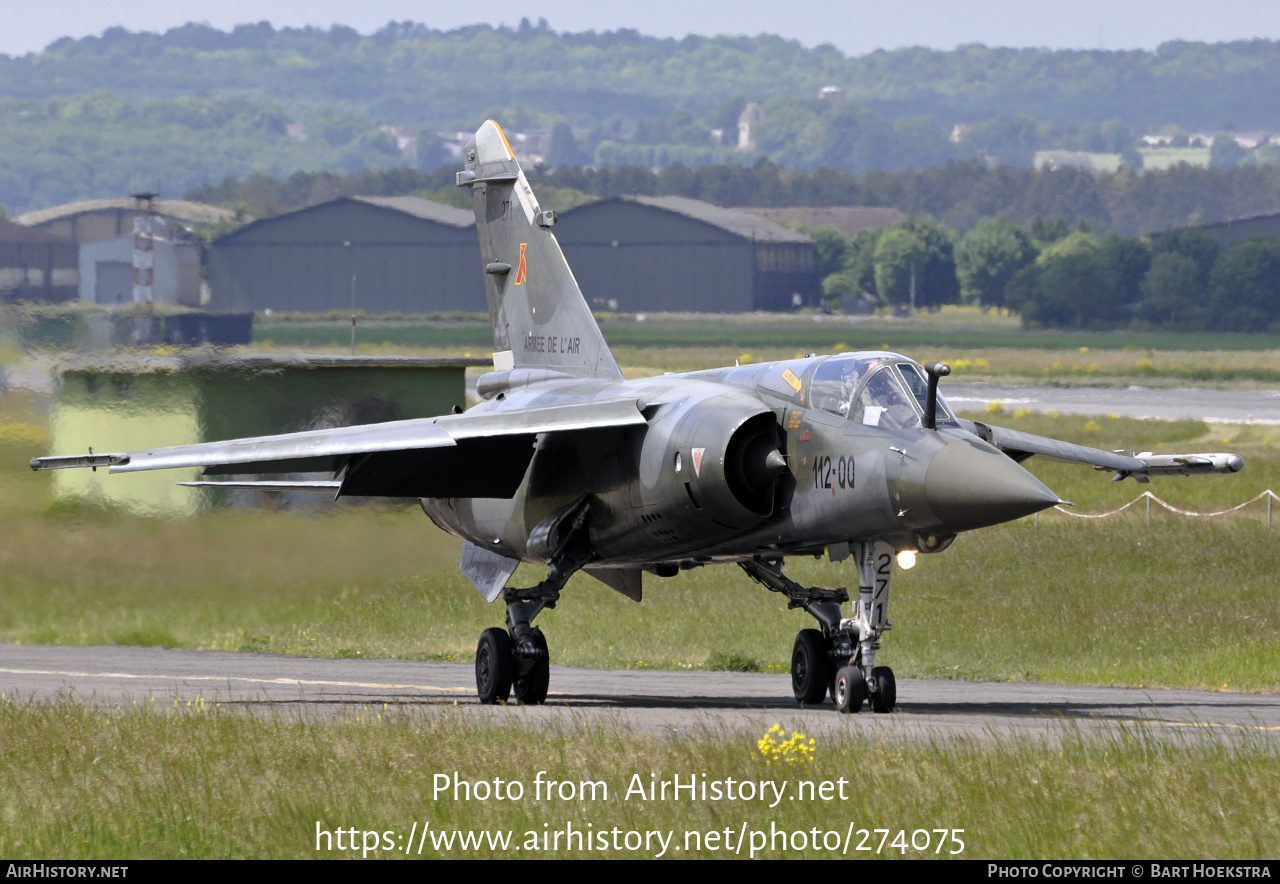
[(501, 671), (515, 660), (839, 658)]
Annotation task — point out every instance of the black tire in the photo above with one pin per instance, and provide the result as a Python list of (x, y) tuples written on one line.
[(532, 690), (810, 668), (495, 666), (851, 689), (886, 695)]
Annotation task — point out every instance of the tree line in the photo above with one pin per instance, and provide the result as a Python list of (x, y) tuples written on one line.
[(410, 74), (85, 117), (1054, 276)]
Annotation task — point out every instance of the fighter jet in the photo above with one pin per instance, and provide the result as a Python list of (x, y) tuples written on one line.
[(568, 465)]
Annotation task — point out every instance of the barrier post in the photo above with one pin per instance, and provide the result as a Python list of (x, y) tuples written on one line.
[(1147, 495), (1271, 496)]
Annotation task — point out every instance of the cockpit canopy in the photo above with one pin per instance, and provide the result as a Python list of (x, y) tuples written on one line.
[(879, 390)]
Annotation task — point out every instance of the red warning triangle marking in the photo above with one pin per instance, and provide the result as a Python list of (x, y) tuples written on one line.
[(520, 272), (697, 461)]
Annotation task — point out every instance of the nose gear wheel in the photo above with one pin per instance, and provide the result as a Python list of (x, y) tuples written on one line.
[(885, 696), (851, 689)]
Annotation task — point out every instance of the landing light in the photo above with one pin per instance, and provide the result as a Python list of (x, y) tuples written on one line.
[(907, 559)]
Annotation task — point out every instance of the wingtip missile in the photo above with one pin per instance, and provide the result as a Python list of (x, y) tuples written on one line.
[(72, 461), (1190, 464)]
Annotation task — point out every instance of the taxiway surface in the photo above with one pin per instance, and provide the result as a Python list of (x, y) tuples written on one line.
[(659, 702), (1188, 403)]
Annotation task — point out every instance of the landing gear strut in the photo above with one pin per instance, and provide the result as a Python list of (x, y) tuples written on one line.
[(840, 657), (516, 659)]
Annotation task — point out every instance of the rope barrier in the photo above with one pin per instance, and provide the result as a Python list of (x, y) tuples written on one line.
[(1270, 496)]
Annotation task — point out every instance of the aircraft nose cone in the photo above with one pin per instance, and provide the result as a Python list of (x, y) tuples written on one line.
[(968, 486)]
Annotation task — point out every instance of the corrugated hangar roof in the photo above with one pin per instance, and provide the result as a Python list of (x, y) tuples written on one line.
[(421, 208), (182, 210), (849, 220), (739, 223)]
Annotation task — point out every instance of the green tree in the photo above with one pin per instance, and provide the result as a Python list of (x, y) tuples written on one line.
[(1125, 261), (1011, 138), (1244, 288), (1116, 137), (858, 273), (1193, 243), (1069, 286), (1073, 289), (988, 257), (430, 152), (831, 246), (1048, 230), (1171, 291), (937, 284), (920, 249), (900, 258), (1022, 293), (563, 149), (1224, 153)]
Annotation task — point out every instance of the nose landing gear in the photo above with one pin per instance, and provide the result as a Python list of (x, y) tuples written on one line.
[(840, 657)]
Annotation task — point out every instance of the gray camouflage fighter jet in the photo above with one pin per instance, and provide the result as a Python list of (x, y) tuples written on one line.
[(567, 464)]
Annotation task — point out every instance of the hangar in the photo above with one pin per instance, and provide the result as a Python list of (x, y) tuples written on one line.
[(400, 254), (97, 220), (103, 233), (668, 253), (36, 265)]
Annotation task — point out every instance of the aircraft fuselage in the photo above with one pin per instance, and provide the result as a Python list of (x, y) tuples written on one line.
[(692, 487)]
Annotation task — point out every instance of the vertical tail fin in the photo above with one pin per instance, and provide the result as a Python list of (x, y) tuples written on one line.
[(540, 319)]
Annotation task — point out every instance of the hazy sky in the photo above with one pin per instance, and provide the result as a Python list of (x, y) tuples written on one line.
[(855, 26)]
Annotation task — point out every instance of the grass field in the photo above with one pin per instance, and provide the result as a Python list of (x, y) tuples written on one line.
[(978, 345), (199, 782), (1178, 602)]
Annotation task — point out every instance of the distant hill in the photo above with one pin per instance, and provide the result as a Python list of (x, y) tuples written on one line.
[(195, 105), (413, 75)]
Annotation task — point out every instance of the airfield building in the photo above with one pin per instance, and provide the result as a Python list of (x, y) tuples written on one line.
[(399, 254), (101, 232), (639, 253), (36, 265)]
